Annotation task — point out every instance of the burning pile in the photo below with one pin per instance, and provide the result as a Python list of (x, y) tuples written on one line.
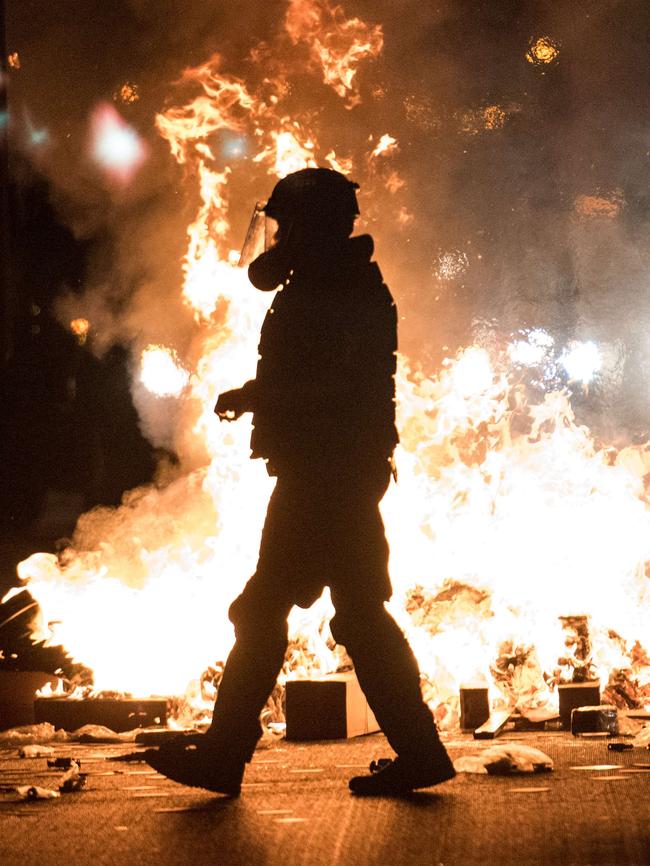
[(506, 516)]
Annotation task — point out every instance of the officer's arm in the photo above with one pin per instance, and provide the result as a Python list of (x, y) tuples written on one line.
[(232, 404)]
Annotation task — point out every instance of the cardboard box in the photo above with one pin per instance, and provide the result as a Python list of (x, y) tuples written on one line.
[(118, 714), (327, 708)]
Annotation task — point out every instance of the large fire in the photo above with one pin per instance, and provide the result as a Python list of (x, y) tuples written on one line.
[(506, 516)]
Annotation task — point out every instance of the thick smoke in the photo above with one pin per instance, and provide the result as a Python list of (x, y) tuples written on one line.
[(516, 195)]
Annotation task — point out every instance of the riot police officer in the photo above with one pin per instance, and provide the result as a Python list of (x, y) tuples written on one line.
[(323, 404)]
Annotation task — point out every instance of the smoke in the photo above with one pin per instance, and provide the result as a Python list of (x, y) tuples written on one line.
[(496, 157)]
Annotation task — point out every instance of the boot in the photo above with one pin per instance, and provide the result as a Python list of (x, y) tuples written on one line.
[(199, 766), (400, 776)]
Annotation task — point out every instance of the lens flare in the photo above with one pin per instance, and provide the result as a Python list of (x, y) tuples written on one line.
[(115, 146), (582, 361)]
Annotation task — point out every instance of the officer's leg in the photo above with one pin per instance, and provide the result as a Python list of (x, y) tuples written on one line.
[(388, 674), (259, 615), (252, 668)]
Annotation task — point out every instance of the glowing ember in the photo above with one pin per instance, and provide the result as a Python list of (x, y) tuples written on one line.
[(161, 373), (339, 163), (543, 50), (451, 264), (386, 145), (128, 93), (80, 328), (116, 147), (494, 117)]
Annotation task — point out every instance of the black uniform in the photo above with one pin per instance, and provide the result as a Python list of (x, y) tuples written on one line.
[(324, 420)]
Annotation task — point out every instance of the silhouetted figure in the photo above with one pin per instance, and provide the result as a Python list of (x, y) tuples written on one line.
[(324, 421)]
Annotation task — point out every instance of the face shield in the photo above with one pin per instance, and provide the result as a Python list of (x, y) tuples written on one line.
[(260, 236)]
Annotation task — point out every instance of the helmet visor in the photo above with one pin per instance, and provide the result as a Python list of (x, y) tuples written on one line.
[(260, 236)]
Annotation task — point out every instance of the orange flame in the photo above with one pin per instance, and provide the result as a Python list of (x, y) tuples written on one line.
[(336, 43)]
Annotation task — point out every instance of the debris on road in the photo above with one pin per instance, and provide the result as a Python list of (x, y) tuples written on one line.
[(73, 780), (35, 751), (34, 792), (26, 735), (505, 760)]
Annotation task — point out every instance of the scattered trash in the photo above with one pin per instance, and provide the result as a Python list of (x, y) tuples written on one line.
[(73, 780), (35, 751), (33, 792), (63, 763), (102, 734), (504, 760), (620, 747), (601, 719), (31, 735), (469, 764)]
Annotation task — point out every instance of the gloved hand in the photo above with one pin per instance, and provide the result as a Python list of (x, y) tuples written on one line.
[(232, 404)]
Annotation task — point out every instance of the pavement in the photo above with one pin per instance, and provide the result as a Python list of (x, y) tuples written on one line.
[(593, 809)]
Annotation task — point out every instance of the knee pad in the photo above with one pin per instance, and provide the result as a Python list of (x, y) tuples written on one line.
[(256, 624)]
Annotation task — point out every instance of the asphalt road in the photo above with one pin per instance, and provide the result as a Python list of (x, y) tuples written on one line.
[(295, 808)]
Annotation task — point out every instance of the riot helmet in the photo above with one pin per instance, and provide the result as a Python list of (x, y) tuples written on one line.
[(313, 192), (318, 197)]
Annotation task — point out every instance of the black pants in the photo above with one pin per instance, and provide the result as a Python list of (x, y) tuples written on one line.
[(322, 530)]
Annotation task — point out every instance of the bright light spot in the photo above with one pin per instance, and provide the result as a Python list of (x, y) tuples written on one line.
[(116, 147), (542, 50), (582, 361), (494, 117), (532, 351), (472, 373), (13, 60), (161, 372), (386, 145), (128, 93), (79, 328), (234, 147), (451, 264)]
